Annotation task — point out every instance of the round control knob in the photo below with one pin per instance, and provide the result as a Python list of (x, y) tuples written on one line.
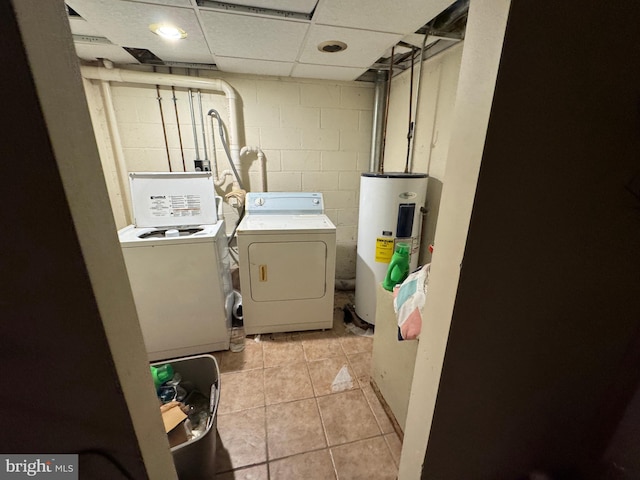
[(259, 201), (316, 201)]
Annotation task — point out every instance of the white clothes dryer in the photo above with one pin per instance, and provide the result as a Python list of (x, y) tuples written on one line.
[(178, 265), (287, 249)]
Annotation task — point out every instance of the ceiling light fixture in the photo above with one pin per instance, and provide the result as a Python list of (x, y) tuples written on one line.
[(168, 31), (332, 46)]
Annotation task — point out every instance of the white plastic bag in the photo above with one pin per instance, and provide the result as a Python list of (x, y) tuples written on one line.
[(408, 302)]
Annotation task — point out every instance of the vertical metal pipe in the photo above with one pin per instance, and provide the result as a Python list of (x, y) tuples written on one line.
[(380, 94), (214, 154), (193, 124), (164, 127), (204, 134), (410, 128), (419, 89), (175, 107), (386, 112)]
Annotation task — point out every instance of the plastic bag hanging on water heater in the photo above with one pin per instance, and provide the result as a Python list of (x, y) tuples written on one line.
[(408, 302)]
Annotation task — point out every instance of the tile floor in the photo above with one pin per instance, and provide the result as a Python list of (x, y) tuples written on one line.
[(300, 406)]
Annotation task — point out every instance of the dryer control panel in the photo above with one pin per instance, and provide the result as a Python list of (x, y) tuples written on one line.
[(284, 203)]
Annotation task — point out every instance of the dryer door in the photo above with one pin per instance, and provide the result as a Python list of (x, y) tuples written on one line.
[(287, 270)]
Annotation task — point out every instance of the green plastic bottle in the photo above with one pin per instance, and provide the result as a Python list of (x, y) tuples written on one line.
[(398, 267), (161, 374)]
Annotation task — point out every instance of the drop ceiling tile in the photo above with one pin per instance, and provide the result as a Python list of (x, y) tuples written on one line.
[(298, 6), (363, 48), (245, 36), (112, 52), (254, 67), (302, 70), (399, 16), (127, 24), (79, 26)]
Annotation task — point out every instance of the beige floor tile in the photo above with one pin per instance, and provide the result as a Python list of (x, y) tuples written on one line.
[(347, 417), (259, 472), (332, 375), (381, 416), (241, 390), (364, 460), (361, 364), (316, 334), (395, 446), (283, 371), (282, 353), (219, 356), (308, 466), (293, 428), (287, 383), (242, 439), (248, 359), (356, 344), (322, 345)]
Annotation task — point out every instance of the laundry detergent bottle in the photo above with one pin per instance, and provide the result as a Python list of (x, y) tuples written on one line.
[(161, 374), (398, 267)]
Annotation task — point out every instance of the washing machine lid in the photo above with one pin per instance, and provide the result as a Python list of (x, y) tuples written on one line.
[(289, 224), (166, 199), (280, 203), (132, 236)]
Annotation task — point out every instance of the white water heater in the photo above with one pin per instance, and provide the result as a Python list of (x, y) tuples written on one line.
[(390, 211)]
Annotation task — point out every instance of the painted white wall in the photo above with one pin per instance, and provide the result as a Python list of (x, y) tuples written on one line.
[(315, 134), (480, 60)]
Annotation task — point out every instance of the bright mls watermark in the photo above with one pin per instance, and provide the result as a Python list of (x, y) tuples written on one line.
[(51, 467)]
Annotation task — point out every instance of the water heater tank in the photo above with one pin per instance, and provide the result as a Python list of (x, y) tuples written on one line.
[(390, 211)]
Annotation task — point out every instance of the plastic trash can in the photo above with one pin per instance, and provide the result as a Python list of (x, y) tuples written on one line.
[(196, 458)]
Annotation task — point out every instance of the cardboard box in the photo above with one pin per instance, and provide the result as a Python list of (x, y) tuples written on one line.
[(172, 415), (173, 418), (178, 435)]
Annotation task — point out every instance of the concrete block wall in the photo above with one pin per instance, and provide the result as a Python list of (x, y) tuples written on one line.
[(315, 134)]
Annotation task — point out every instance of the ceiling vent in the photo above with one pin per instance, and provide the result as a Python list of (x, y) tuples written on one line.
[(332, 46)]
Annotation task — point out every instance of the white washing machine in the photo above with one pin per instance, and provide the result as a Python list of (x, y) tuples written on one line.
[(177, 260), (287, 249)]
